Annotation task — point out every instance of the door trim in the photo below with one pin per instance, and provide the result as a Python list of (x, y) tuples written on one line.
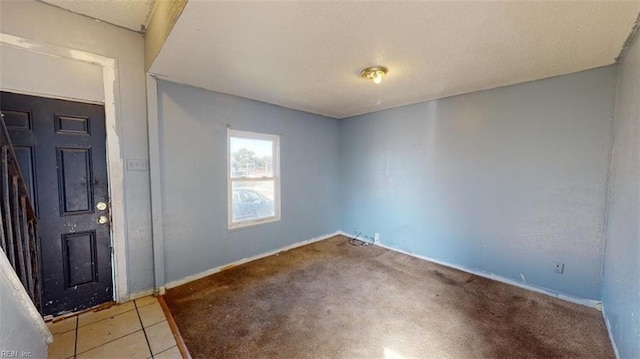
[(115, 161), (155, 181)]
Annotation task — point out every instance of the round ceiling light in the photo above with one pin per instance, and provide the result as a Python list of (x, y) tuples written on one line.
[(375, 73)]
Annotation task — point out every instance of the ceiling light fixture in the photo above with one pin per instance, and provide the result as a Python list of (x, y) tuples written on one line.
[(375, 73)]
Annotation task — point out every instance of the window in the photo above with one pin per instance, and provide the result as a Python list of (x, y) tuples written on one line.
[(254, 183)]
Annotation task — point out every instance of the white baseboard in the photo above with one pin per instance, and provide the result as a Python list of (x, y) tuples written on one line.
[(613, 341), (586, 302), (211, 271), (140, 294)]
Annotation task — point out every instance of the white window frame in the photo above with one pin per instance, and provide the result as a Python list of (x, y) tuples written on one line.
[(276, 178)]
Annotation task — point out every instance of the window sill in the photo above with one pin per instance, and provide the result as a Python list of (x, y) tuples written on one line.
[(248, 224)]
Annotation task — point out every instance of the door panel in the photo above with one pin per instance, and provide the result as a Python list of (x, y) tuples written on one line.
[(17, 120), (72, 125), (79, 248), (61, 148), (74, 179)]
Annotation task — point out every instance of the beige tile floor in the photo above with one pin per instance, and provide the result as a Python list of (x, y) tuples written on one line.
[(137, 329)]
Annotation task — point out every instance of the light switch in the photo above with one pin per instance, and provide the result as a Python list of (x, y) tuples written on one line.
[(136, 165)]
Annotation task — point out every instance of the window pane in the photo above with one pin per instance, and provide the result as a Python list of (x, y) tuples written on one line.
[(251, 158), (252, 200)]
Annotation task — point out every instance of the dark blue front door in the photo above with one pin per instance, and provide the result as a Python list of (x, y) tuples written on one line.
[(61, 148)]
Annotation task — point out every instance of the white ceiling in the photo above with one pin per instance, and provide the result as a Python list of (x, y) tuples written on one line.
[(130, 14), (308, 55)]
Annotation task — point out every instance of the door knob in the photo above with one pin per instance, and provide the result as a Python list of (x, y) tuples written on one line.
[(103, 220), (101, 206)]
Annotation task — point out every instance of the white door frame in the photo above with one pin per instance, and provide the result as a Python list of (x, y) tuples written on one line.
[(115, 162)]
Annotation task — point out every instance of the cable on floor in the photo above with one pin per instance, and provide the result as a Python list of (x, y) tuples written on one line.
[(366, 241)]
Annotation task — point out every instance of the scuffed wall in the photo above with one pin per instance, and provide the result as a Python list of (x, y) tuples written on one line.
[(506, 181)]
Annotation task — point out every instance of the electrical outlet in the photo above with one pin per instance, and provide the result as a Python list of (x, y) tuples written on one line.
[(376, 238), (136, 165), (558, 267)]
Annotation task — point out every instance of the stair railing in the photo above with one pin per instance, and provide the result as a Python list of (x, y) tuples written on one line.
[(18, 229)]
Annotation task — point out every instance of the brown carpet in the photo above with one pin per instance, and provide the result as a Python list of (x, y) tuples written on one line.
[(333, 300)]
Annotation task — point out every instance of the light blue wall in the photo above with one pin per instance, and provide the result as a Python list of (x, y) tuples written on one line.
[(621, 290), (193, 130), (505, 181)]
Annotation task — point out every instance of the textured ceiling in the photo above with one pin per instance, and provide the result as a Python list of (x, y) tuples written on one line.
[(130, 14), (308, 55)]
